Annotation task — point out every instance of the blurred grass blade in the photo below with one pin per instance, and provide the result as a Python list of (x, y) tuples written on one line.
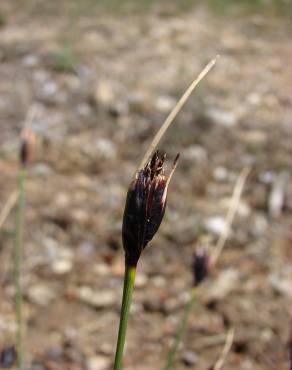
[(236, 195), (181, 330), (8, 207), (18, 267), (227, 346)]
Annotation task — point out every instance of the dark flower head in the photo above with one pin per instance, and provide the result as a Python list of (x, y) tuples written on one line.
[(27, 145), (8, 357), (145, 206), (201, 265)]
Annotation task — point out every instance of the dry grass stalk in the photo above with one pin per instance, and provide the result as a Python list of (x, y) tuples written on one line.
[(8, 207), (169, 120), (228, 344), (237, 192)]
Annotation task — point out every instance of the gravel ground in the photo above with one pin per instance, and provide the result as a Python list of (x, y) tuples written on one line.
[(96, 88)]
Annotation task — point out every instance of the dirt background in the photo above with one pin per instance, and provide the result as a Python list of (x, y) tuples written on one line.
[(97, 85)]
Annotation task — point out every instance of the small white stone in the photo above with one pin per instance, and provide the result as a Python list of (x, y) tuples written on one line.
[(62, 266), (104, 93), (195, 152), (41, 294), (141, 280), (221, 117), (106, 148), (223, 285), (31, 60), (98, 363), (97, 299), (220, 173), (42, 169), (165, 103), (217, 225)]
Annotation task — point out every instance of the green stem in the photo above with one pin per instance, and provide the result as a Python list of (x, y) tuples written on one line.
[(18, 266), (181, 330), (129, 279)]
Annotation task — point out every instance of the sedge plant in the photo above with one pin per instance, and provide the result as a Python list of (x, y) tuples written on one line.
[(27, 139), (18, 266), (144, 210)]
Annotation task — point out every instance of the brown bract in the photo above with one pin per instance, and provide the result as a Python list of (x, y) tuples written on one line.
[(145, 206)]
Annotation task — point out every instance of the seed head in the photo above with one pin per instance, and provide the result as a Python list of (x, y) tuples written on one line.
[(201, 265), (145, 206), (27, 144)]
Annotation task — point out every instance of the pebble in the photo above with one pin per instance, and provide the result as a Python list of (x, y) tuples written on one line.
[(165, 103), (48, 89), (141, 280), (42, 169), (119, 108), (62, 266), (223, 285), (277, 195), (96, 299), (106, 148), (259, 225), (195, 153), (138, 102), (221, 117), (254, 99), (220, 174), (31, 60), (98, 362), (189, 358), (104, 93), (217, 225), (267, 177), (60, 258), (83, 109), (282, 283), (41, 294), (102, 269), (159, 281)]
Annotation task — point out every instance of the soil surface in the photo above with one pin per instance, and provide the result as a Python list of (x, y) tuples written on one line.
[(96, 87)]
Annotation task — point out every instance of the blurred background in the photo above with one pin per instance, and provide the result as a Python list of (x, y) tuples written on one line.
[(96, 79)]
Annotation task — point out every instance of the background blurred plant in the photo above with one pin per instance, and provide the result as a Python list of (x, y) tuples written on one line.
[(168, 7), (8, 356), (203, 263), (64, 60), (227, 346), (25, 157)]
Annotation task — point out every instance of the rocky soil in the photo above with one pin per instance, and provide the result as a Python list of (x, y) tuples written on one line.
[(96, 88)]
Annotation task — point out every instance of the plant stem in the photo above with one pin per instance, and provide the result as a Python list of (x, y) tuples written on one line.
[(18, 266), (181, 330), (129, 279)]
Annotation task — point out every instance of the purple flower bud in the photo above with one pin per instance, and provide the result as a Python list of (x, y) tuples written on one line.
[(145, 206), (27, 145), (201, 265)]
